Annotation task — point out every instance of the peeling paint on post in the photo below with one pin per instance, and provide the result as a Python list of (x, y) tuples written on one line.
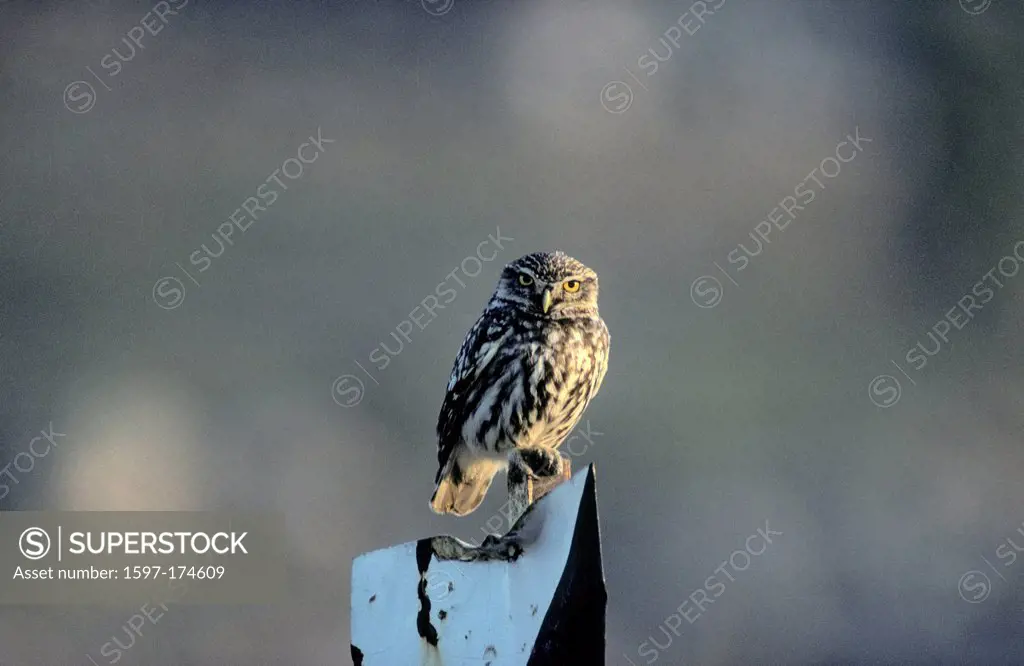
[(533, 597)]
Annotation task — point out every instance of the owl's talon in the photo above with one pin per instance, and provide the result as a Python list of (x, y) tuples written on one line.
[(542, 462)]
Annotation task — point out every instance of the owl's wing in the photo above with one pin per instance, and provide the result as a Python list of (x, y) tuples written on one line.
[(478, 350)]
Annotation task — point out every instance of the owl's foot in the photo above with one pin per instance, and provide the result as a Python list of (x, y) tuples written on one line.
[(520, 487), (547, 467), (543, 462)]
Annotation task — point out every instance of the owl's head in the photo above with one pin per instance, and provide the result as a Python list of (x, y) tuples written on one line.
[(549, 284)]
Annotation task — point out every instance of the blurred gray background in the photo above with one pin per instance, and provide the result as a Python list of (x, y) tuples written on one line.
[(451, 121)]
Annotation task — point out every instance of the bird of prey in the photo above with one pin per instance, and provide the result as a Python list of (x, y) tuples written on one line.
[(526, 371)]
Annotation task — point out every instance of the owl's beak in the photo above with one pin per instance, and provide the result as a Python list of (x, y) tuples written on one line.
[(546, 299)]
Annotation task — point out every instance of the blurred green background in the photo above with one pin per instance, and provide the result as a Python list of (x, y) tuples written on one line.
[(451, 121)]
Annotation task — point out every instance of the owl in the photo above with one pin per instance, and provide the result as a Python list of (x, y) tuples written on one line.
[(526, 371)]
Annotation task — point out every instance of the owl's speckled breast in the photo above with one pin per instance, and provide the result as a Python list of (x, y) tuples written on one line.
[(567, 364)]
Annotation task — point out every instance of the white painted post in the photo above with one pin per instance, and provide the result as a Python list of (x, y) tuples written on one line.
[(533, 597)]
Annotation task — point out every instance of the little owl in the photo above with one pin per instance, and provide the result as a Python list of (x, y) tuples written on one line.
[(526, 371)]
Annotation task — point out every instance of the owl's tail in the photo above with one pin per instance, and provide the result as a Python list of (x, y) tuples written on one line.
[(463, 486)]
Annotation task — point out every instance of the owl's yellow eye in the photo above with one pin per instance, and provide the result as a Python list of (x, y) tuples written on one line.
[(571, 286), (525, 280)]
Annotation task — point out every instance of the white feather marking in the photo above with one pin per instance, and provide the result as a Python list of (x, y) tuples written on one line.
[(488, 351)]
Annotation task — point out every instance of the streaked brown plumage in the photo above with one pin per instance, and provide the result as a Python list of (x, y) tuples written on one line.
[(526, 371)]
